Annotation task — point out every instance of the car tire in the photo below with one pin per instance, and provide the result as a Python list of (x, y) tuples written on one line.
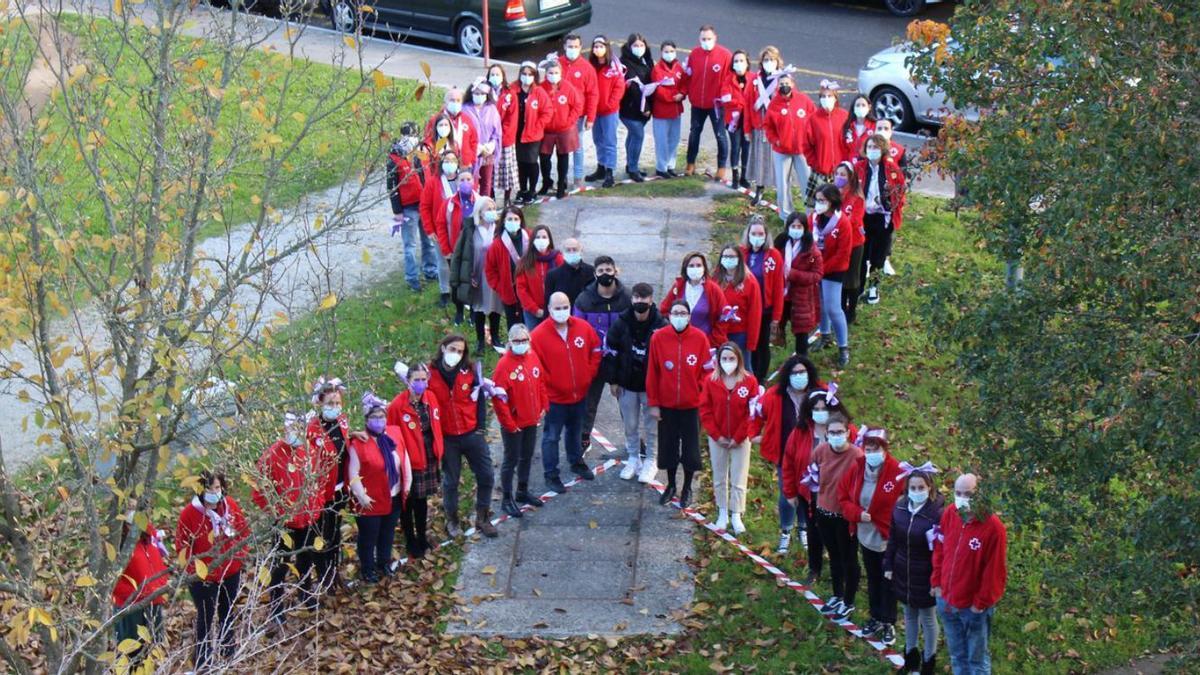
[(891, 103), (904, 7), (468, 37), (343, 15)]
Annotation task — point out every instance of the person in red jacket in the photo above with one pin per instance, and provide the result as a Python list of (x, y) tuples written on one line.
[(441, 185), (677, 361), (526, 401), (416, 414), (562, 129), (507, 104), (787, 127), (380, 476), (825, 128), (700, 293), (846, 181), (805, 267), (868, 492), (503, 256), (883, 186), (738, 93), (766, 264), (833, 459), (831, 232), (327, 434), (760, 168), (405, 185), (725, 416), (610, 87), (211, 536), (456, 384), (532, 110), (581, 74), (144, 576), (742, 313), (531, 275), (857, 128), (970, 569), (290, 490), (708, 65), (570, 352), (896, 153), (666, 107), (463, 135)]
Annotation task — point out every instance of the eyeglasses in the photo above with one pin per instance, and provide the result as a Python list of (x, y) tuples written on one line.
[(519, 341), (964, 493)]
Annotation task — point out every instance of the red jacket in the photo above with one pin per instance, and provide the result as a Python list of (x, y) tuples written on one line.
[(852, 143), (581, 75), (896, 152), (462, 130), (441, 216), (460, 415), (852, 213), (409, 184), (525, 383), (538, 111), (706, 73), (373, 473), (787, 124), (663, 105), (570, 364), (196, 540), (826, 139), (797, 456), (883, 499), (725, 413), (970, 562), (742, 97), (610, 89), (716, 302), (145, 573), (804, 290), (566, 105), (835, 246), (325, 455), (292, 474), (772, 284), (531, 284), (498, 266), (675, 367), (506, 104), (894, 185), (748, 299), (402, 414)]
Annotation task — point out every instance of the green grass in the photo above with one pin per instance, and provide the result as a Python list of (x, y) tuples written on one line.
[(690, 186)]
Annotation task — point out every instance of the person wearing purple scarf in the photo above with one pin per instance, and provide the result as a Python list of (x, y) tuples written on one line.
[(481, 108), (379, 476)]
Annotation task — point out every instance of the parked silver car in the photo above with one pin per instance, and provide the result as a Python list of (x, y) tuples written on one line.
[(888, 82)]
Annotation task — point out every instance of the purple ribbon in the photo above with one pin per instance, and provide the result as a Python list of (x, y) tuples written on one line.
[(906, 469), (370, 400), (320, 384), (812, 478), (934, 534), (729, 314), (712, 360), (486, 387)]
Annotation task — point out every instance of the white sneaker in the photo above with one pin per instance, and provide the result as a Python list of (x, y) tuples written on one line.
[(785, 542), (722, 519), (873, 296), (649, 471), (738, 526), (630, 469), (887, 267), (804, 539)]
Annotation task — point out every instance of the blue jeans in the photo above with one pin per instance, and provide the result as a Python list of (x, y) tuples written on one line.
[(712, 115), (740, 339), (666, 142), (412, 232), (639, 425), (578, 156), (739, 149), (635, 135), (562, 418), (833, 317), (967, 638), (785, 166), (788, 514), (531, 321), (604, 136)]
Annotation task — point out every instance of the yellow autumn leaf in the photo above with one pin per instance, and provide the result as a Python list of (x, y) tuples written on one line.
[(349, 42), (366, 257), (318, 543), (380, 80), (328, 303), (129, 646), (85, 581), (201, 569), (425, 69), (4, 197), (38, 615), (117, 6), (299, 117)]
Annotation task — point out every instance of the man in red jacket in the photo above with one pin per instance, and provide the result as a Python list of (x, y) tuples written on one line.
[(462, 129), (969, 574), (581, 74), (569, 350), (523, 378), (707, 68)]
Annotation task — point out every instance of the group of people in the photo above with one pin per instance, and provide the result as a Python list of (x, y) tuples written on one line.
[(696, 360)]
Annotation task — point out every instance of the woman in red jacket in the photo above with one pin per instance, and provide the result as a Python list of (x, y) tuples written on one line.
[(610, 81), (725, 415), (739, 97), (701, 294), (211, 537), (562, 130), (500, 266), (766, 264), (846, 181), (143, 576), (742, 313), (531, 111), (666, 108), (857, 128), (883, 186), (826, 129), (834, 238), (787, 127), (416, 414), (675, 368), (520, 373), (760, 169), (802, 260), (531, 271), (441, 185), (379, 476)]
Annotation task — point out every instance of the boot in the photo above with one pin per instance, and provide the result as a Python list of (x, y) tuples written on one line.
[(757, 196), (524, 497), (562, 178), (721, 174), (510, 506), (443, 299), (743, 183), (690, 170), (636, 176), (843, 357), (547, 183), (595, 175), (685, 494), (669, 493), (929, 667), (737, 179), (453, 529), (483, 523), (608, 179), (912, 662)]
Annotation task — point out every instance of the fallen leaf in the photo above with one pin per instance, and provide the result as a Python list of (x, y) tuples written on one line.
[(488, 569)]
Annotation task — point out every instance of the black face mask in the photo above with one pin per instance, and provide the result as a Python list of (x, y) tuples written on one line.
[(641, 307), (785, 89), (606, 279)]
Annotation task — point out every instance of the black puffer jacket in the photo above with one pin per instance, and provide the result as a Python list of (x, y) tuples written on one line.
[(630, 339), (631, 101), (908, 557)]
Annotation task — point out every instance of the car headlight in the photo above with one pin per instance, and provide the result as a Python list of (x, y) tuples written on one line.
[(875, 62)]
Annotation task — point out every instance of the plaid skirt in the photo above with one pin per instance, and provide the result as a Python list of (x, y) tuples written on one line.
[(760, 167), (506, 171), (427, 483), (815, 180)]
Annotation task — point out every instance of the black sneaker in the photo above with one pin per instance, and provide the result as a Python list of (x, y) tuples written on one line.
[(561, 193), (672, 173), (831, 605), (596, 175), (547, 188), (637, 177), (872, 630), (583, 471), (888, 634), (844, 611), (843, 359), (524, 497), (510, 507), (555, 484), (662, 174)]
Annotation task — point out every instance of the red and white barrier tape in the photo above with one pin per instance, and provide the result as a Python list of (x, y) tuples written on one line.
[(591, 188), (812, 598), (746, 191)]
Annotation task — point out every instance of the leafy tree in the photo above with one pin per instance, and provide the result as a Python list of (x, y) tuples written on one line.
[(1083, 167)]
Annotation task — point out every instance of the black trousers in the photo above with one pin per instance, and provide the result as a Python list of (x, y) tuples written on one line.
[(294, 549), (514, 316), (594, 394), (330, 528), (214, 600), (880, 595), (518, 455), (843, 555), (816, 549), (563, 163), (472, 447), (802, 344), (414, 521), (493, 324), (679, 440), (760, 358), (879, 242)]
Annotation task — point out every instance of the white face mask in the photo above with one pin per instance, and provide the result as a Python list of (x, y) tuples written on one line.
[(443, 130), (451, 359), (886, 133), (874, 154), (827, 102), (526, 79), (679, 322), (962, 503), (728, 365), (212, 498), (479, 99), (769, 66), (521, 349), (707, 44), (820, 207), (553, 78), (560, 315), (795, 232), (572, 53), (695, 273), (860, 111), (541, 244), (668, 57), (294, 439), (740, 67), (638, 50)]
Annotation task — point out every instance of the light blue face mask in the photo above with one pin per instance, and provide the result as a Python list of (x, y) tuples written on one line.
[(757, 240), (798, 381), (572, 258), (918, 497), (679, 322), (874, 459), (331, 412)]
